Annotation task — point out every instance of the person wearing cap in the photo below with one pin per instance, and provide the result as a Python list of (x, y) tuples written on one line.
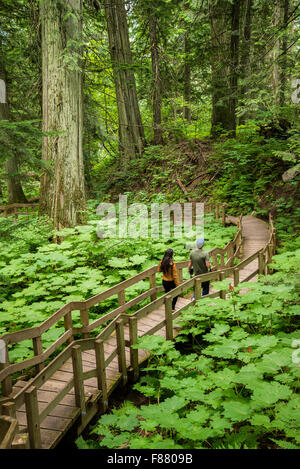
[(199, 261)]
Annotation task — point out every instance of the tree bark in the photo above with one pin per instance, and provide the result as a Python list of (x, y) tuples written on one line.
[(234, 63), (283, 71), (156, 80), (220, 45), (245, 56), (131, 133), (275, 72), (15, 192), (187, 79), (62, 185)]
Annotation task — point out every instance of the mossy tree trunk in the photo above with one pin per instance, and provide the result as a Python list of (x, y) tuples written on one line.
[(62, 184)]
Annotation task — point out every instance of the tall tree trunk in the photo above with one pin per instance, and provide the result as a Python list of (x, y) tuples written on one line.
[(131, 133), (220, 45), (283, 71), (156, 79), (62, 185), (15, 192), (275, 72), (245, 56), (234, 62), (187, 79)]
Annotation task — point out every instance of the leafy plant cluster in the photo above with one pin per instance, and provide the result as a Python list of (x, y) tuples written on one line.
[(252, 166), (237, 387), (38, 277)]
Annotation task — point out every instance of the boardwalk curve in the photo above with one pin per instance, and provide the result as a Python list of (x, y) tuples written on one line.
[(77, 383)]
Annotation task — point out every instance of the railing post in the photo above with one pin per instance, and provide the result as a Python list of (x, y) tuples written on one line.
[(179, 270), (217, 211), (261, 264), (274, 241), (78, 378), (33, 418), (215, 260), (68, 325), (198, 288), (101, 376), (236, 276), (134, 353), (169, 318), (152, 280), (222, 292), (121, 350), (121, 298), (6, 384), (84, 317), (223, 215), (269, 251), (230, 253), (38, 350)]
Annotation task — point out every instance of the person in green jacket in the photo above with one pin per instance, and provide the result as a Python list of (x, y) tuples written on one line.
[(199, 261)]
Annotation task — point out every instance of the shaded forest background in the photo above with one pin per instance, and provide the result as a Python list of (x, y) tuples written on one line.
[(160, 99)]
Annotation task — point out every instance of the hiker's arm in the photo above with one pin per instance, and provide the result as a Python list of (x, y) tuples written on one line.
[(175, 276), (190, 264)]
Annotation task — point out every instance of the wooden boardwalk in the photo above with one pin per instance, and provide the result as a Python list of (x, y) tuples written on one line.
[(61, 418), (255, 237), (77, 383)]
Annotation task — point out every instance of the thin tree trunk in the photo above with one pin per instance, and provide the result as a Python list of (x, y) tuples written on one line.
[(246, 56), (220, 46), (187, 79), (131, 133), (234, 62), (62, 185), (156, 80), (15, 192), (275, 72), (283, 72)]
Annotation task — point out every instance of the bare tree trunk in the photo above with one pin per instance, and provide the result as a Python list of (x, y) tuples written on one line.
[(131, 133), (62, 186), (283, 71), (234, 62), (245, 56), (15, 192), (187, 79), (156, 80), (220, 44), (275, 73)]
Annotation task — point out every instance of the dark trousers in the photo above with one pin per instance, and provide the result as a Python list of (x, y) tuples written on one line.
[(205, 288), (168, 286)]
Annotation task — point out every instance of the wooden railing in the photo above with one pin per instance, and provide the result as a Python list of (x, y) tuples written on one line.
[(15, 210), (119, 320), (28, 395), (221, 258)]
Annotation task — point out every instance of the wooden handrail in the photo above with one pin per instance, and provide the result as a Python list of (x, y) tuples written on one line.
[(66, 310)]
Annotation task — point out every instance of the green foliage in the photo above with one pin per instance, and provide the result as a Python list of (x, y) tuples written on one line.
[(237, 387), (37, 277)]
